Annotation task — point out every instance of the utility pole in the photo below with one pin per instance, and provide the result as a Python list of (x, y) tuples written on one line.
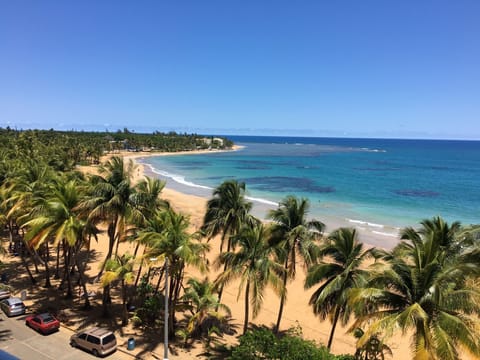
[(165, 338)]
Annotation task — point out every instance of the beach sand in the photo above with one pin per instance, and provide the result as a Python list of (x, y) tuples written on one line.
[(296, 311)]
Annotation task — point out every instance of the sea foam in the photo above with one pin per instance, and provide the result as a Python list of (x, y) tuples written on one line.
[(177, 178)]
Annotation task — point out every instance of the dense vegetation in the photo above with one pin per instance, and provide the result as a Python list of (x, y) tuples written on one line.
[(425, 287), (64, 149)]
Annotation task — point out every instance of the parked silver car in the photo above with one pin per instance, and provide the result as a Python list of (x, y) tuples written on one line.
[(96, 340), (13, 306)]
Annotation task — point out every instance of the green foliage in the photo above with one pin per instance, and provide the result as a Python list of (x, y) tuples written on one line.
[(426, 288), (263, 344), (62, 150), (150, 311)]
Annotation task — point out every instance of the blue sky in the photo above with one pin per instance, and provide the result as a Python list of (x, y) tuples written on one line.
[(315, 68)]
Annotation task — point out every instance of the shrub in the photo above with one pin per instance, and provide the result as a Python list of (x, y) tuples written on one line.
[(263, 344)]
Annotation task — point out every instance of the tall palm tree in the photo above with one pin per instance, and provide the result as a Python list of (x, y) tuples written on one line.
[(254, 264), (227, 211), (294, 235), (340, 272), (166, 235), (57, 218), (424, 290), (111, 200), (31, 185), (146, 201)]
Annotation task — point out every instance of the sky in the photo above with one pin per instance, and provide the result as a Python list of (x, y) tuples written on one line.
[(349, 68)]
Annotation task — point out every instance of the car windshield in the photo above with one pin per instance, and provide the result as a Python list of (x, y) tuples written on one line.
[(48, 319)]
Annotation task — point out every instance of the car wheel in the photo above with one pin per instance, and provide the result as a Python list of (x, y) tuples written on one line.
[(73, 344), (95, 352)]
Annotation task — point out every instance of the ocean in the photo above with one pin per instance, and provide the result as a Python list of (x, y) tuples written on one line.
[(376, 185)]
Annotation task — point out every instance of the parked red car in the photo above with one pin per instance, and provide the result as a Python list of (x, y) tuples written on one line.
[(44, 323)]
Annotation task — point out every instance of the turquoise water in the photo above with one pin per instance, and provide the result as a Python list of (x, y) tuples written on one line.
[(377, 183)]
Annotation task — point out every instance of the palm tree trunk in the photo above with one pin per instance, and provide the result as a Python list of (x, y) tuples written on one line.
[(111, 244), (106, 300), (36, 259), (67, 259), (334, 325), (57, 267), (282, 298), (124, 304), (138, 274), (220, 290), (47, 269), (247, 310), (157, 287), (87, 305), (24, 262), (136, 250), (171, 310), (120, 226)]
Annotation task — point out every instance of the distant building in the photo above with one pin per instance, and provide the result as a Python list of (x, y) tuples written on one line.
[(209, 141)]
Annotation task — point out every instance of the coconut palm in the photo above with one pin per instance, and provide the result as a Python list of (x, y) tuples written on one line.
[(337, 274), (227, 211), (425, 291), (120, 268), (57, 218), (111, 200), (166, 235), (202, 297), (31, 185), (293, 235), (254, 264), (146, 201)]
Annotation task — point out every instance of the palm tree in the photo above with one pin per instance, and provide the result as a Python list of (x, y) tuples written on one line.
[(337, 276), (227, 211), (111, 200), (254, 264), (120, 268), (424, 290), (201, 295), (293, 235), (167, 235), (146, 201), (57, 218), (441, 236), (30, 187)]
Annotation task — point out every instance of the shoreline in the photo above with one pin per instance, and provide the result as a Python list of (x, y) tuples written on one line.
[(371, 234)]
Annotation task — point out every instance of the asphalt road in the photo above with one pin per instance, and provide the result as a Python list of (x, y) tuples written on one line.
[(18, 339)]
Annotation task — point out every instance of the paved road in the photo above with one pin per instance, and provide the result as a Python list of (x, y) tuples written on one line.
[(25, 343)]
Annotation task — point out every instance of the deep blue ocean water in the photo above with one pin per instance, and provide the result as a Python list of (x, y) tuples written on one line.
[(377, 183)]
